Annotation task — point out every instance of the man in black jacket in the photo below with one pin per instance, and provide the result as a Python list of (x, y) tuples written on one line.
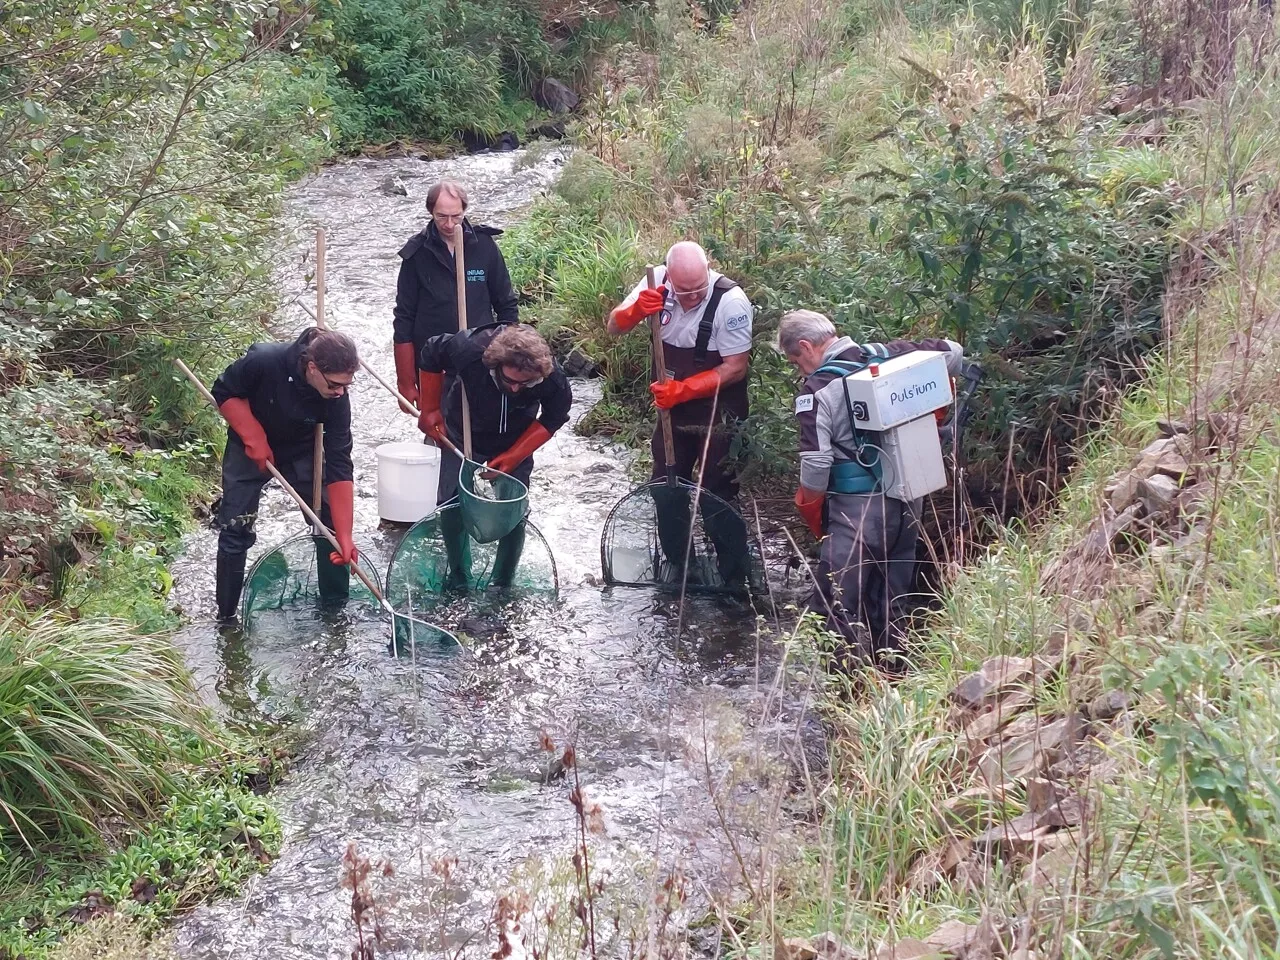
[(272, 398), (427, 293), (518, 398)]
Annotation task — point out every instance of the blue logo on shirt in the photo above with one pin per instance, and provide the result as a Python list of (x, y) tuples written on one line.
[(475, 275)]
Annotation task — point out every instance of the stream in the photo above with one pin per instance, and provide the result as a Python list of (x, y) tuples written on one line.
[(688, 735)]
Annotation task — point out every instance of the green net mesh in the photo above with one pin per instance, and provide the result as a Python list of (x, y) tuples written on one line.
[(655, 537), (295, 584), (298, 574), (421, 575), (493, 507)]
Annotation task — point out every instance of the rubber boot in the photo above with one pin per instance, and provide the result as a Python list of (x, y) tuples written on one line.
[(674, 523), (457, 547), (229, 581), (727, 532), (333, 580), (507, 557)]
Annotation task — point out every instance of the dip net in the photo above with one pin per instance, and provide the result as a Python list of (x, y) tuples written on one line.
[(520, 565), (675, 536), (297, 576)]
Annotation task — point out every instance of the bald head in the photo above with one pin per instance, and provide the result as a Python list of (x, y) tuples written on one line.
[(688, 273)]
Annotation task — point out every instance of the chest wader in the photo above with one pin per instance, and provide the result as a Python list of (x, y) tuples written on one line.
[(867, 561), (235, 519), (695, 423)]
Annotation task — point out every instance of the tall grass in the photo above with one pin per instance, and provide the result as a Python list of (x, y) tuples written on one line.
[(90, 713)]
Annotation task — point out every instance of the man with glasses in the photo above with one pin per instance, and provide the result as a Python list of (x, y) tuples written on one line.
[(427, 292), (706, 336), (518, 398), (272, 399)]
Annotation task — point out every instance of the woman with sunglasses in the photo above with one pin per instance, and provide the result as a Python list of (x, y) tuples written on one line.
[(272, 398), (427, 292), (518, 398)]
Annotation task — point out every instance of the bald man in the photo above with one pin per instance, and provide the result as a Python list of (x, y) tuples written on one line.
[(706, 336)]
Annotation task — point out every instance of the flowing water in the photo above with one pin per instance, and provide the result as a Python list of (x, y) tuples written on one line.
[(685, 738)]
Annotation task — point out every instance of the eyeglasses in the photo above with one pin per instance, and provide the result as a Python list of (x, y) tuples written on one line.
[(517, 384), (695, 292), (449, 217), (334, 385)]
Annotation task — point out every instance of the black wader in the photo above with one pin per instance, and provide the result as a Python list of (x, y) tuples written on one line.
[(237, 515), (691, 422)]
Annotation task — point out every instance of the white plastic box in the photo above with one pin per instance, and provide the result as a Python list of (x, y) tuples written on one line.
[(907, 388), (913, 464)]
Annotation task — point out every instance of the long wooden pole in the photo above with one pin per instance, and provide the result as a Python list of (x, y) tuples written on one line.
[(660, 360), (302, 504), (317, 463), (460, 269)]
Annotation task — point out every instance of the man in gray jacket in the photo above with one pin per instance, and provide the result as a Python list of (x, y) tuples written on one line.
[(867, 563)]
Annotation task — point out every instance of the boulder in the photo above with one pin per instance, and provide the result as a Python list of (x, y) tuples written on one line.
[(555, 96), (1108, 705), (971, 941), (393, 186), (578, 364), (1158, 494)]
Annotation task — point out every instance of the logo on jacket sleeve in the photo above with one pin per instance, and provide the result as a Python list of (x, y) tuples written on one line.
[(804, 403), (738, 322)]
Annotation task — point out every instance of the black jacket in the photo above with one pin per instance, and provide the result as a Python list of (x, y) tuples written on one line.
[(426, 292), (497, 417), (270, 377)]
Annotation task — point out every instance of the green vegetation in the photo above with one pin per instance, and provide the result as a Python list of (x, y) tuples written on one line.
[(1085, 196), (214, 833), (143, 147), (436, 70), (872, 178)]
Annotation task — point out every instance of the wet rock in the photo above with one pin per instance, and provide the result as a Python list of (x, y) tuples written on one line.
[(476, 142), (603, 467), (996, 675), (551, 94), (393, 186), (1158, 494), (578, 364), (555, 130)]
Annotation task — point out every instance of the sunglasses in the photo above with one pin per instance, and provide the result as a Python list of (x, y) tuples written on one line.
[(517, 384)]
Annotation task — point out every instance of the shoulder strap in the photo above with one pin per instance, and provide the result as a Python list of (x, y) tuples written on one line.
[(722, 286)]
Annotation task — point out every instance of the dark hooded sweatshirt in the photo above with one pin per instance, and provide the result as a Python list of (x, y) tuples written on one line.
[(497, 417), (270, 377), (426, 292)]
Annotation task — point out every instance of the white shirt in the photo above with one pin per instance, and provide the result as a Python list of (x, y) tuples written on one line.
[(730, 328)]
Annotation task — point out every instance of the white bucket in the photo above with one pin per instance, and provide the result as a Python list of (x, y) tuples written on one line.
[(407, 476)]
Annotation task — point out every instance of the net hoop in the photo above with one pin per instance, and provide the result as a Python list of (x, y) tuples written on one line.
[(273, 569), (631, 553)]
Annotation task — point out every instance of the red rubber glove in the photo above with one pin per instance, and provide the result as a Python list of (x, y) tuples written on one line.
[(647, 304), (809, 503), (406, 374), (239, 415), (534, 436), (941, 413), (342, 510), (672, 392), (430, 419)]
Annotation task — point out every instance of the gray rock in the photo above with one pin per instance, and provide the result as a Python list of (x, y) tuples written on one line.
[(393, 186), (556, 96)]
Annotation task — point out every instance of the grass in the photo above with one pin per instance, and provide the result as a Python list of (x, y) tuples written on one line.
[(91, 711)]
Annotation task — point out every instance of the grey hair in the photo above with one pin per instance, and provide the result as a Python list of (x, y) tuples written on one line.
[(797, 325)]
